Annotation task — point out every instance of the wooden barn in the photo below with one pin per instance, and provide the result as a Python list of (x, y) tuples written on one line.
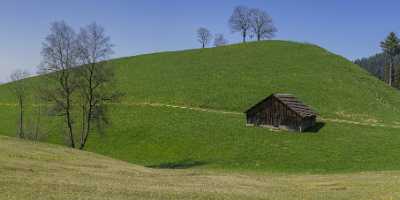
[(282, 111)]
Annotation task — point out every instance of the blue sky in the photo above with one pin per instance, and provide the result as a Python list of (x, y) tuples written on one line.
[(351, 28)]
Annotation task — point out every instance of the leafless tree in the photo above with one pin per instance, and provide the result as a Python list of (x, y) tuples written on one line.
[(96, 77), (261, 24), (204, 36), (18, 87), (35, 131), (59, 53), (240, 21), (220, 40)]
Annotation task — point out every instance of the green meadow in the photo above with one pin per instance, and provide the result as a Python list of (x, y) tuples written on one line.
[(358, 114)]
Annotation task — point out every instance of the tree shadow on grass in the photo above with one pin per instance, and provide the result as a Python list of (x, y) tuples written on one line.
[(184, 164), (315, 129)]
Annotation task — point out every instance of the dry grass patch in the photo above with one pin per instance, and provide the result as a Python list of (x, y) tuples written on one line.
[(39, 171)]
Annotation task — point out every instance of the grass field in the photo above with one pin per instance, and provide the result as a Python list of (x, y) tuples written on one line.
[(40, 171), (231, 79)]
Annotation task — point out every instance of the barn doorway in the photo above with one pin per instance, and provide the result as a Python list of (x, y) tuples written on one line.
[(275, 120)]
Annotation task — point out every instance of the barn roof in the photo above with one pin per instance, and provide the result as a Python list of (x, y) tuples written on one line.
[(291, 102)]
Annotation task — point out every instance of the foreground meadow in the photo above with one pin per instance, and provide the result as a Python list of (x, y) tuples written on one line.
[(41, 171)]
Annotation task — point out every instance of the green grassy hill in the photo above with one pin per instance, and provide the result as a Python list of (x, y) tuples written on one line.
[(39, 171), (359, 112)]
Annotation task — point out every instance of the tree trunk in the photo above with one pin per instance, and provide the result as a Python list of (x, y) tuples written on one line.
[(244, 36), (21, 119), (87, 130), (391, 71), (69, 123), (85, 134), (37, 127), (83, 122)]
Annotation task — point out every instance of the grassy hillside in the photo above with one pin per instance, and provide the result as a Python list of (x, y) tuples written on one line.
[(237, 76), (39, 171), (359, 113)]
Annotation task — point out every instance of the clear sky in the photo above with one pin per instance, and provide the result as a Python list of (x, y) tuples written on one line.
[(351, 28)]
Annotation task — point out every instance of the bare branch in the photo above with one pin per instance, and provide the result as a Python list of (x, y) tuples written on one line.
[(240, 21), (204, 36), (220, 40), (96, 77), (60, 57), (261, 24), (18, 87)]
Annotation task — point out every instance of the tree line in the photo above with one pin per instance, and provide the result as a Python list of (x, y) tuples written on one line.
[(249, 22), (77, 83), (385, 65)]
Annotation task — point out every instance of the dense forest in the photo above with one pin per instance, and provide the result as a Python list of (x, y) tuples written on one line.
[(376, 66)]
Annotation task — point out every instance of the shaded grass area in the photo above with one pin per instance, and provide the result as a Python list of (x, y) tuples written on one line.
[(183, 164), (316, 128), (41, 171)]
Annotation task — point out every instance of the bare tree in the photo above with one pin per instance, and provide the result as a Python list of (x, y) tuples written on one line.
[(204, 36), (18, 88), (96, 77), (261, 24), (35, 131), (220, 40), (59, 53), (240, 21)]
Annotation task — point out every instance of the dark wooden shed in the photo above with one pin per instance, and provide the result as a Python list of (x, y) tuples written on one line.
[(283, 111)]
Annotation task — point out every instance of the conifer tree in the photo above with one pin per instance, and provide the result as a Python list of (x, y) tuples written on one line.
[(391, 48)]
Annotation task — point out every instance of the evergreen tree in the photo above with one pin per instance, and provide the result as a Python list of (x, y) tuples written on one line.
[(391, 48)]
